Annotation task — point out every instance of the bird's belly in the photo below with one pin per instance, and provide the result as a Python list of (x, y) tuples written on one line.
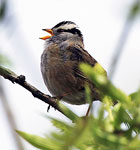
[(61, 82)]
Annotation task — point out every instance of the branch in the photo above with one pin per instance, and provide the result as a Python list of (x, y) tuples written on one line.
[(10, 75)]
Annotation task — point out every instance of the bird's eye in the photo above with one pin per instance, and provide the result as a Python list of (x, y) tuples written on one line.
[(60, 30)]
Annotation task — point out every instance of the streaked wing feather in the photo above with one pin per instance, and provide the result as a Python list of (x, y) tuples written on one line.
[(82, 56)]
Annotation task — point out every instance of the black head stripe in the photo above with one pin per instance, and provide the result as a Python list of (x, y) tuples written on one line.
[(73, 31), (63, 23)]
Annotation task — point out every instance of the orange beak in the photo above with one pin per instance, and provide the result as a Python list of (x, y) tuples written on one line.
[(48, 36)]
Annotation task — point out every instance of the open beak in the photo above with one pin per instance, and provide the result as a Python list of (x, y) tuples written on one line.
[(48, 36)]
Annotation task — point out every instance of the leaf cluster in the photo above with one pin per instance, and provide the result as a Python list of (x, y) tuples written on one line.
[(118, 130)]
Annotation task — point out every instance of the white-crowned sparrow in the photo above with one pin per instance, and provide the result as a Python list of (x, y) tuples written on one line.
[(64, 51)]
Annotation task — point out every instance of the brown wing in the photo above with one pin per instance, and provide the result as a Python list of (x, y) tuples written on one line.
[(72, 57), (79, 55)]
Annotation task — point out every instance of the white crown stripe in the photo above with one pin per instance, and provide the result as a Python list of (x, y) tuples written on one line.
[(67, 26)]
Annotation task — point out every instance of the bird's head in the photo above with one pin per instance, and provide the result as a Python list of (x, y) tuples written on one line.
[(63, 27)]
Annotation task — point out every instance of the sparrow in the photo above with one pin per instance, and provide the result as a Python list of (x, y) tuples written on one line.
[(64, 52)]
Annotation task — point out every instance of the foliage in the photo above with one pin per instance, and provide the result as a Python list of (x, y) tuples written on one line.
[(104, 132), (4, 60)]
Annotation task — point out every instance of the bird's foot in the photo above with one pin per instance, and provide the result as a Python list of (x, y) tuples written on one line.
[(57, 99)]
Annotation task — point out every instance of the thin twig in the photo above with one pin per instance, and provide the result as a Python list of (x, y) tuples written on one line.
[(10, 75)]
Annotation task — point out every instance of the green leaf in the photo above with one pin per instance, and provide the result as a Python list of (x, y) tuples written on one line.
[(88, 94), (61, 125), (71, 115), (136, 96), (35, 140), (101, 81), (100, 70)]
